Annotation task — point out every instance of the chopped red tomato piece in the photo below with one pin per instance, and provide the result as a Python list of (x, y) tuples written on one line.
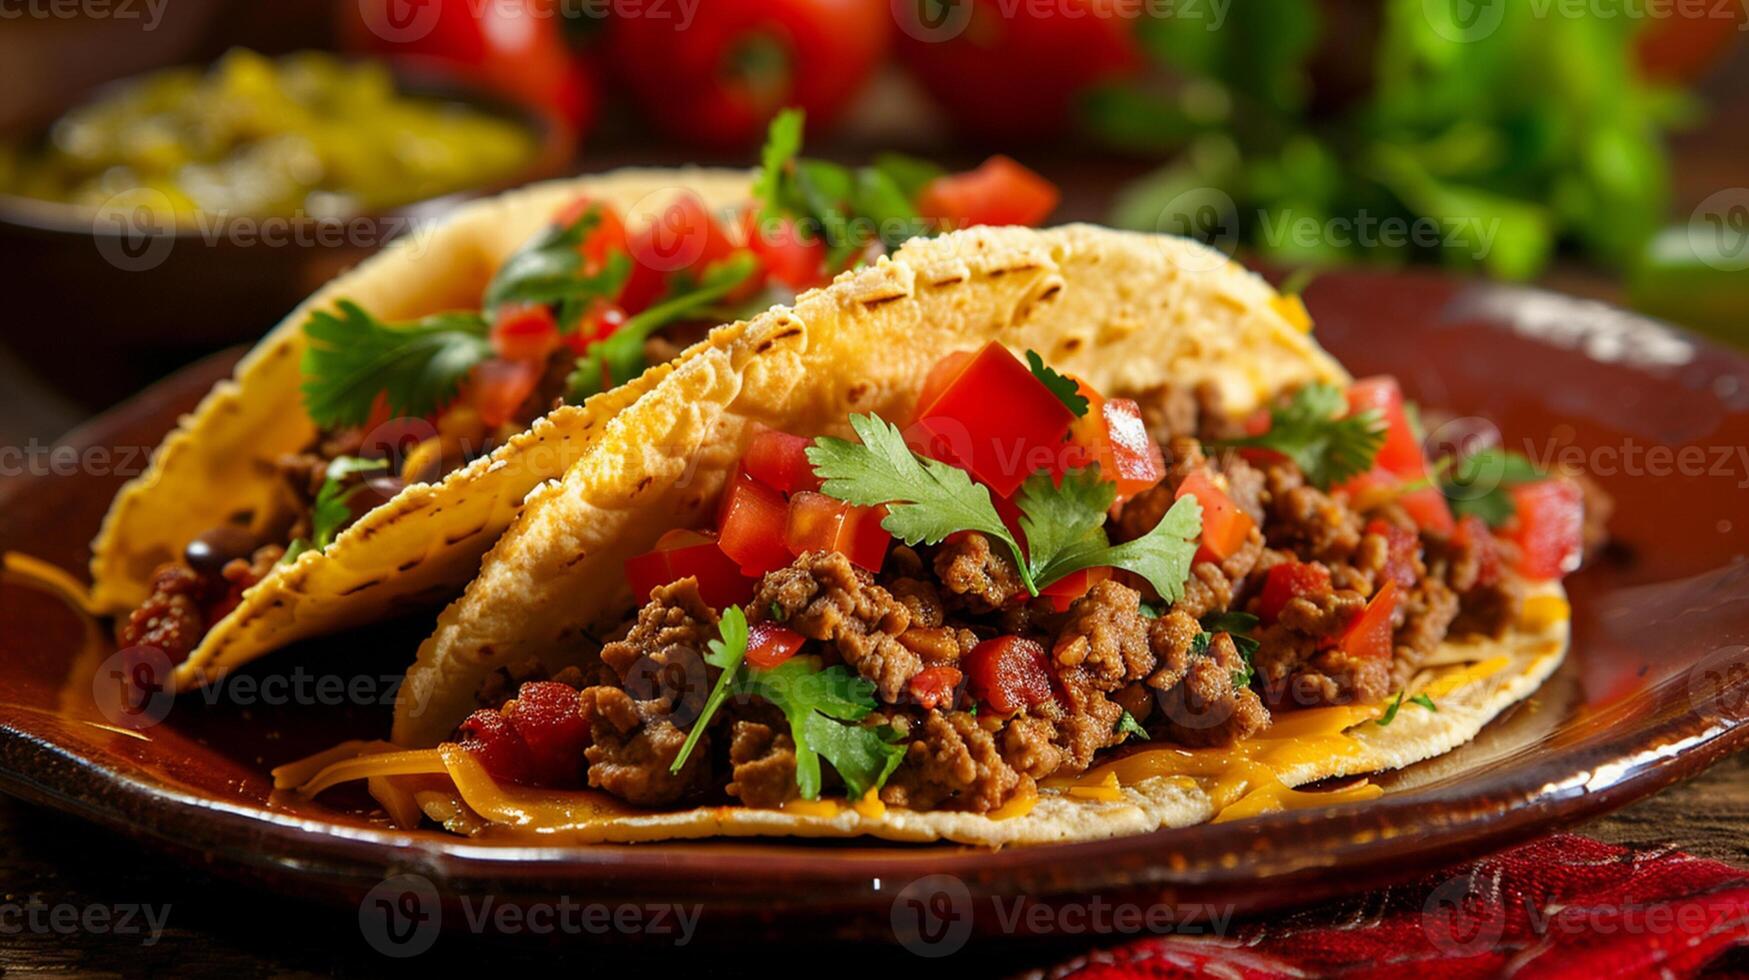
[(524, 332), (819, 523), (1549, 526), (545, 714), (1472, 532), (490, 738), (1062, 593), (1401, 452), (602, 321), (1369, 636), (1008, 673), (994, 419), (1429, 509), (791, 256), (1289, 581), (500, 387), (694, 554), (750, 525), (1113, 435), (998, 192), (769, 644), (607, 238), (1426, 506), (684, 237), (1401, 547), (780, 461), (1224, 526), (934, 687)]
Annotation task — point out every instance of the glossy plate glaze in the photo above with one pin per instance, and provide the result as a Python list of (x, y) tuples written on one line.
[(1652, 692)]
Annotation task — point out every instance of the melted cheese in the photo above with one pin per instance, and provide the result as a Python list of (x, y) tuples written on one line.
[(1293, 310), (530, 808), (870, 806), (1543, 611), (1019, 806), (812, 808)]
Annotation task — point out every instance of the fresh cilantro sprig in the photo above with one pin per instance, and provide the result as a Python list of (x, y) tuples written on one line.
[(926, 499), (619, 358), (1066, 390), (725, 653), (330, 512), (1127, 725), (550, 269), (353, 358), (1396, 705), (1063, 522), (1479, 483), (821, 706), (1312, 429)]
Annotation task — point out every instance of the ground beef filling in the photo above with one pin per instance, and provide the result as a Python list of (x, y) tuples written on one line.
[(1119, 658)]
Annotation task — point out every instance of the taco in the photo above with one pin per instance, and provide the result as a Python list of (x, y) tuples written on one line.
[(374, 445), (1013, 537)]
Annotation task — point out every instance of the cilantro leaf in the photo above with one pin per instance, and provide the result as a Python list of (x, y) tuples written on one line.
[(608, 363), (862, 757), (1478, 484), (1162, 556), (1391, 710), (330, 513), (1127, 725), (727, 653), (1232, 622), (821, 707), (1066, 390), (1311, 429), (783, 141), (926, 500), (1237, 625), (910, 174), (549, 269), (1058, 517), (1424, 701), (353, 358)]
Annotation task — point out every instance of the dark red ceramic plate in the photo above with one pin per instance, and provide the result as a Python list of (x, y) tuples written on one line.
[(1650, 694)]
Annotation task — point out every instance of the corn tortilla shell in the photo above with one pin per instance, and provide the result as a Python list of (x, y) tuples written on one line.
[(419, 548)]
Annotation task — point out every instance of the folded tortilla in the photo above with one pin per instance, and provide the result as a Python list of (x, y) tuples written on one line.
[(1124, 311), (419, 548)]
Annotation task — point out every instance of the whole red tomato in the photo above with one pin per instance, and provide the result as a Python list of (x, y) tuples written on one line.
[(1012, 69), (513, 47), (718, 78)]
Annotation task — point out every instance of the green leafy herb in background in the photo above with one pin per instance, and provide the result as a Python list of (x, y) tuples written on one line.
[(353, 357), (1503, 133), (1479, 483)]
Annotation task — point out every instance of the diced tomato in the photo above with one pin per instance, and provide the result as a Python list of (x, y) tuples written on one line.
[(606, 239), (769, 644), (790, 256), (1113, 435), (750, 525), (1401, 452), (490, 738), (1062, 593), (818, 523), (601, 322), (1549, 526), (934, 687), (1427, 506), (998, 192), (1224, 526), (1472, 532), (780, 461), (524, 332), (994, 419), (545, 714), (499, 387), (681, 554), (1369, 636), (940, 375), (1401, 547), (1008, 673), (683, 238), (1288, 581)]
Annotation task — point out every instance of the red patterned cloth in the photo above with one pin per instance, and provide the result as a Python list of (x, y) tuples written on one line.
[(1562, 906)]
